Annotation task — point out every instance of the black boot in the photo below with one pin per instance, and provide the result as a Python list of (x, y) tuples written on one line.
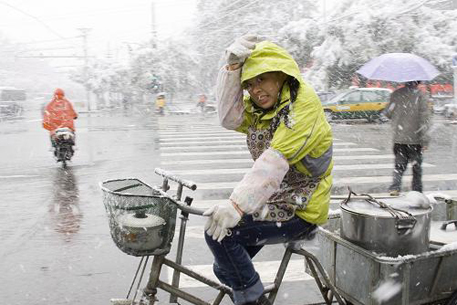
[(262, 300)]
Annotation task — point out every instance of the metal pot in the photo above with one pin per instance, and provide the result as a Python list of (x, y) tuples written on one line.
[(389, 226), (139, 232)]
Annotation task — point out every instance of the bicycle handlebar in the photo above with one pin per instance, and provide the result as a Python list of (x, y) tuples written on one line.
[(182, 205), (185, 208), (187, 183)]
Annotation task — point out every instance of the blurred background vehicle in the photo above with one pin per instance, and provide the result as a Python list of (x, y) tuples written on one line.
[(11, 102), (439, 104), (450, 110), (358, 103)]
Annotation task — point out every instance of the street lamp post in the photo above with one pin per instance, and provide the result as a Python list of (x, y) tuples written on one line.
[(84, 32)]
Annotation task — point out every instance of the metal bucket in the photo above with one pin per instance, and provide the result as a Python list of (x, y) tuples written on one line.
[(357, 274), (444, 209), (451, 209), (376, 229), (141, 219)]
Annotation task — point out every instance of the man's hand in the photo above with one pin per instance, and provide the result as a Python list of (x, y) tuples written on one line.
[(239, 50), (221, 218)]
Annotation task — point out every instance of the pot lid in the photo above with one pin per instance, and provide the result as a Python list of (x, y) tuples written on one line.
[(362, 206), (131, 220)]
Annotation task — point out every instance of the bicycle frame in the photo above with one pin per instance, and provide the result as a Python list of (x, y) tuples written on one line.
[(154, 283)]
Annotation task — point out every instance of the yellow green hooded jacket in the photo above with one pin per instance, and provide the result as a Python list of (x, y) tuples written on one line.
[(307, 142)]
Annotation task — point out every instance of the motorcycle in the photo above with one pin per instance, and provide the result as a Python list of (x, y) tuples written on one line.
[(64, 139)]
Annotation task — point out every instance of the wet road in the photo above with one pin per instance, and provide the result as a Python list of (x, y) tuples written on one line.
[(56, 247)]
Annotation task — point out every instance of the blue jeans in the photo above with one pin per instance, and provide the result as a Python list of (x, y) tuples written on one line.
[(232, 256)]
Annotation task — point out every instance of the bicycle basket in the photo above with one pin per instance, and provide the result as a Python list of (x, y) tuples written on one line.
[(141, 219)]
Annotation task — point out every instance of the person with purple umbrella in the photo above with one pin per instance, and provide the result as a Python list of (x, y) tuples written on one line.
[(411, 120), (408, 110)]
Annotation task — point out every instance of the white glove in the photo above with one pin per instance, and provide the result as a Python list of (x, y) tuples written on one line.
[(221, 217), (239, 50)]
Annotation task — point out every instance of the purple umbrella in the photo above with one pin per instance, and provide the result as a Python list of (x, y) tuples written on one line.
[(399, 67)]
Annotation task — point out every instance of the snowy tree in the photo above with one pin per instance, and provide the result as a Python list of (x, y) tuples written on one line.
[(165, 67), (218, 23), (357, 31), (169, 67), (328, 49)]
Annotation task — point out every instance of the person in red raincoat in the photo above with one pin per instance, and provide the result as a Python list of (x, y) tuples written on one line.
[(59, 113), (201, 102)]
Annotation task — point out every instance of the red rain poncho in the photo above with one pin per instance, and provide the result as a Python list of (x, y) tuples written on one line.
[(59, 113)]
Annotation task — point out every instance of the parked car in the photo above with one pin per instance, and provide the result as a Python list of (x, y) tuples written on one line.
[(438, 104), (10, 109), (12, 102), (358, 103), (450, 110)]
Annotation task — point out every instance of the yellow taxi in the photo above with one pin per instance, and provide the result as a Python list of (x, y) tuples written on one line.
[(358, 103)]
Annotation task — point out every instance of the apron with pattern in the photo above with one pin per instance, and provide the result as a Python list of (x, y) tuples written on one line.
[(296, 188)]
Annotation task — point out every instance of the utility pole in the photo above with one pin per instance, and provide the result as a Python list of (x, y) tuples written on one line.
[(84, 34), (153, 25)]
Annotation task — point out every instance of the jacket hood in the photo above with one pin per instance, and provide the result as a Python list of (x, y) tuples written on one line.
[(268, 57), (59, 92)]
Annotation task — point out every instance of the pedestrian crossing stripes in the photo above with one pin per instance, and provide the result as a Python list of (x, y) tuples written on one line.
[(184, 139), (203, 137), (340, 167), (242, 144), (198, 126), (205, 161), (197, 133), (189, 143), (210, 153), (211, 145), (337, 182), (250, 161), (205, 147)]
